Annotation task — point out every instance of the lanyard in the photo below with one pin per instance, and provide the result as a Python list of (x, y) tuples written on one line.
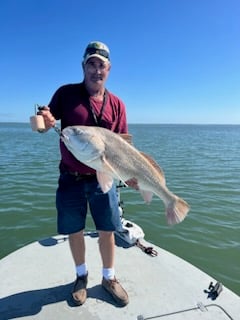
[(98, 119)]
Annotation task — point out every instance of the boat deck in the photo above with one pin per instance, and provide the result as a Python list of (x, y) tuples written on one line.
[(36, 283)]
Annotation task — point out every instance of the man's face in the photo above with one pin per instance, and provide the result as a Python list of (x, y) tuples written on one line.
[(96, 71)]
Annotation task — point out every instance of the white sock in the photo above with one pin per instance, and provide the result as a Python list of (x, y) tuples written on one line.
[(108, 273), (81, 269)]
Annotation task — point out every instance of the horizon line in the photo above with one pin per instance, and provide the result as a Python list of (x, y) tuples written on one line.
[(149, 123)]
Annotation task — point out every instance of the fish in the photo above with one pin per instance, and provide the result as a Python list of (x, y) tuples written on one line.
[(114, 158)]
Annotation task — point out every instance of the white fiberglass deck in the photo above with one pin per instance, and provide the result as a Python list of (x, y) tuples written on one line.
[(36, 283)]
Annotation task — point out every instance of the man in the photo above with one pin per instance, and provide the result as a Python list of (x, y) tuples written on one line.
[(88, 103)]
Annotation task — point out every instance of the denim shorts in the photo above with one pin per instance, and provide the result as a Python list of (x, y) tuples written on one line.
[(74, 196)]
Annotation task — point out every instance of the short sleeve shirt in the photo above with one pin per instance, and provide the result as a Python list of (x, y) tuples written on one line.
[(70, 104)]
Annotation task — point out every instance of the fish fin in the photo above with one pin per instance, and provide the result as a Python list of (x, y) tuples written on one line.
[(105, 181), (177, 210), (114, 172), (147, 195)]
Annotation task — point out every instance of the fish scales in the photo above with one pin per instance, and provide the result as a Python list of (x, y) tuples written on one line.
[(113, 157)]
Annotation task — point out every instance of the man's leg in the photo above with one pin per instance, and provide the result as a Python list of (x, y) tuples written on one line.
[(106, 246), (105, 212), (109, 282), (77, 246), (71, 206)]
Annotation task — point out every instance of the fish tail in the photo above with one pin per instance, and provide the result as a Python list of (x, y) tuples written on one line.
[(177, 210)]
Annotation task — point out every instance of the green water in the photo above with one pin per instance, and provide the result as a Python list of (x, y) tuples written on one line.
[(201, 164)]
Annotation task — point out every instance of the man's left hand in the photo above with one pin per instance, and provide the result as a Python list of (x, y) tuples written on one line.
[(133, 183)]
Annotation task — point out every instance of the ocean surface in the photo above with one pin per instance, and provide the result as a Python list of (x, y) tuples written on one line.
[(201, 164)]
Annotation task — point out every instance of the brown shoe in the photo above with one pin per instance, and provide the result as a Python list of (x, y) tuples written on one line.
[(116, 291), (79, 292)]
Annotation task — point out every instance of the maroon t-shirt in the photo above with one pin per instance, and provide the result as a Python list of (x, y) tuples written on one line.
[(70, 105)]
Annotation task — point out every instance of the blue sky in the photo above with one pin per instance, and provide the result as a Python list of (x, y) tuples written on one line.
[(173, 61)]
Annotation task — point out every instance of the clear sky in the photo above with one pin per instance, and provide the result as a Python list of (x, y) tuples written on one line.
[(173, 61)]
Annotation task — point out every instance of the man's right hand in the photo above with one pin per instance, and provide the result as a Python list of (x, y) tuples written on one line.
[(49, 119)]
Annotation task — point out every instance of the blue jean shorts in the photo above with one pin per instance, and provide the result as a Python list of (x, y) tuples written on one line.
[(73, 197)]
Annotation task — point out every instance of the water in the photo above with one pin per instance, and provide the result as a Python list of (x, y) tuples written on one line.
[(201, 164)]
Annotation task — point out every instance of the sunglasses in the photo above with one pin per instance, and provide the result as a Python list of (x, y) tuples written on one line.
[(101, 52)]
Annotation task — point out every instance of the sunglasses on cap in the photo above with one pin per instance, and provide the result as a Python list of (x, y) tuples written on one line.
[(101, 52)]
